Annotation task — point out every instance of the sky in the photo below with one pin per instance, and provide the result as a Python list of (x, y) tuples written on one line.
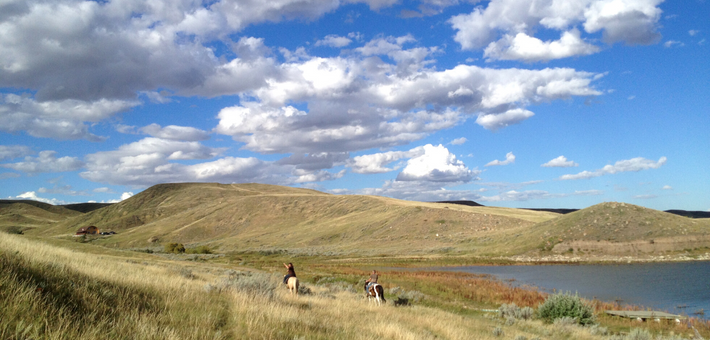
[(511, 103)]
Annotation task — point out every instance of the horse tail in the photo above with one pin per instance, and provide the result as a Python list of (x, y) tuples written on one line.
[(381, 292)]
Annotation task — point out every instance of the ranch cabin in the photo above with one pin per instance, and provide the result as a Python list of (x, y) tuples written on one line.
[(90, 230)]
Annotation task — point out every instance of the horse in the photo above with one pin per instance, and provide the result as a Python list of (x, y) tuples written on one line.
[(375, 291), (293, 285)]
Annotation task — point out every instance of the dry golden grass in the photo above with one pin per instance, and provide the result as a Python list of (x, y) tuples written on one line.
[(54, 293)]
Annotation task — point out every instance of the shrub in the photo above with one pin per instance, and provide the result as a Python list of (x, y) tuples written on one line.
[(513, 311), (564, 305), (251, 283), (13, 230), (639, 334), (200, 250), (497, 331), (598, 330), (177, 248), (405, 298)]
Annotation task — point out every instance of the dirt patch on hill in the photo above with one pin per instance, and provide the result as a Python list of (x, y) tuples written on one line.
[(664, 244)]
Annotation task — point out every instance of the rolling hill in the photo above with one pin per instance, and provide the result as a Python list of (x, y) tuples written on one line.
[(619, 228), (258, 216)]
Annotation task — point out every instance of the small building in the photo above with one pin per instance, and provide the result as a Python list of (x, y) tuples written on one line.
[(90, 230)]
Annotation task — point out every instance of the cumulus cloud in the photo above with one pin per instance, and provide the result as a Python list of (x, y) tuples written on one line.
[(629, 21), (173, 132), (634, 164), (436, 164), (154, 160), (14, 151), (530, 49), (63, 119), (46, 161), (31, 195), (375, 163), (126, 195), (509, 158), (334, 41), (498, 121), (667, 187), (459, 141), (559, 162)]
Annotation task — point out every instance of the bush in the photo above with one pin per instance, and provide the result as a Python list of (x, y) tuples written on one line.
[(497, 331), (251, 283), (177, 248), (13, 230), (564, 305), (405, 298), (598, 330), (639, 334), (515, 312), (200, 250)]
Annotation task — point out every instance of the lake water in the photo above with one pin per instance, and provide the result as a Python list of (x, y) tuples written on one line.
[(681, 288)]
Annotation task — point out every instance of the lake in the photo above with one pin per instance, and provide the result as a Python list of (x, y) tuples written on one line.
[(681, 288)]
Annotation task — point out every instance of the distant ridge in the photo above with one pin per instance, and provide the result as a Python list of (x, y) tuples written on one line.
[(80, 207), (468, 203), (691, 214)]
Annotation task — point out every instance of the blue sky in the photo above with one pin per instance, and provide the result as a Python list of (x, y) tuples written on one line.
[(514, 103)]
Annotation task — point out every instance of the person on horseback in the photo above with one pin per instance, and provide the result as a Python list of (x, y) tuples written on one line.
[(370, 281), (291, 272)]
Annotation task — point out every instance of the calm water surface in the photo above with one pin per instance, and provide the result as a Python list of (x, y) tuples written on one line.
[(682, 288)]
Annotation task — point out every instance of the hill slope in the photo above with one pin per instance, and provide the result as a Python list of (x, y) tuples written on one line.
[(32, 214), (621, 228), (257, 216)]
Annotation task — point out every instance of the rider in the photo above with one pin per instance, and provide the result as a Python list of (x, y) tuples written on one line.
[(370, 281), (291, 273)]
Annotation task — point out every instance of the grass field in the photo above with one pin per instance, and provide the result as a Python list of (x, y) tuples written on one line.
[(70, 290)]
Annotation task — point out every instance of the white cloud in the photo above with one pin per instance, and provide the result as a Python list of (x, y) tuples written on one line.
[(334, 41), (509, 158), (498, 121), (126, 195), (31, 195), (6, 175), (629, 21), (692, 33), (631, 97), (530, 49), (416, 191), (437, 164), (14, 151), (459, 141), (530, 195), (634, 164), (173, 132), (673, 43), (645, 197), (375, 163), (667, 187), (560, 162), (62, 190), (103, 190), (154, 160), (46, 161), (63, 119)]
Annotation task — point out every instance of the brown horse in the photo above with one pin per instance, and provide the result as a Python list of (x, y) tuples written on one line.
[(293, 285), (376, 292)]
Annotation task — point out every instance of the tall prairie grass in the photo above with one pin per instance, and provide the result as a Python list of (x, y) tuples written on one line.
[(47, 292)]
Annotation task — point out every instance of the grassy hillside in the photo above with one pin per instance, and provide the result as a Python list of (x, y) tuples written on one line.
[(257, 216), (48, 292), (51, 292), (619, 228), (31, 214)]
